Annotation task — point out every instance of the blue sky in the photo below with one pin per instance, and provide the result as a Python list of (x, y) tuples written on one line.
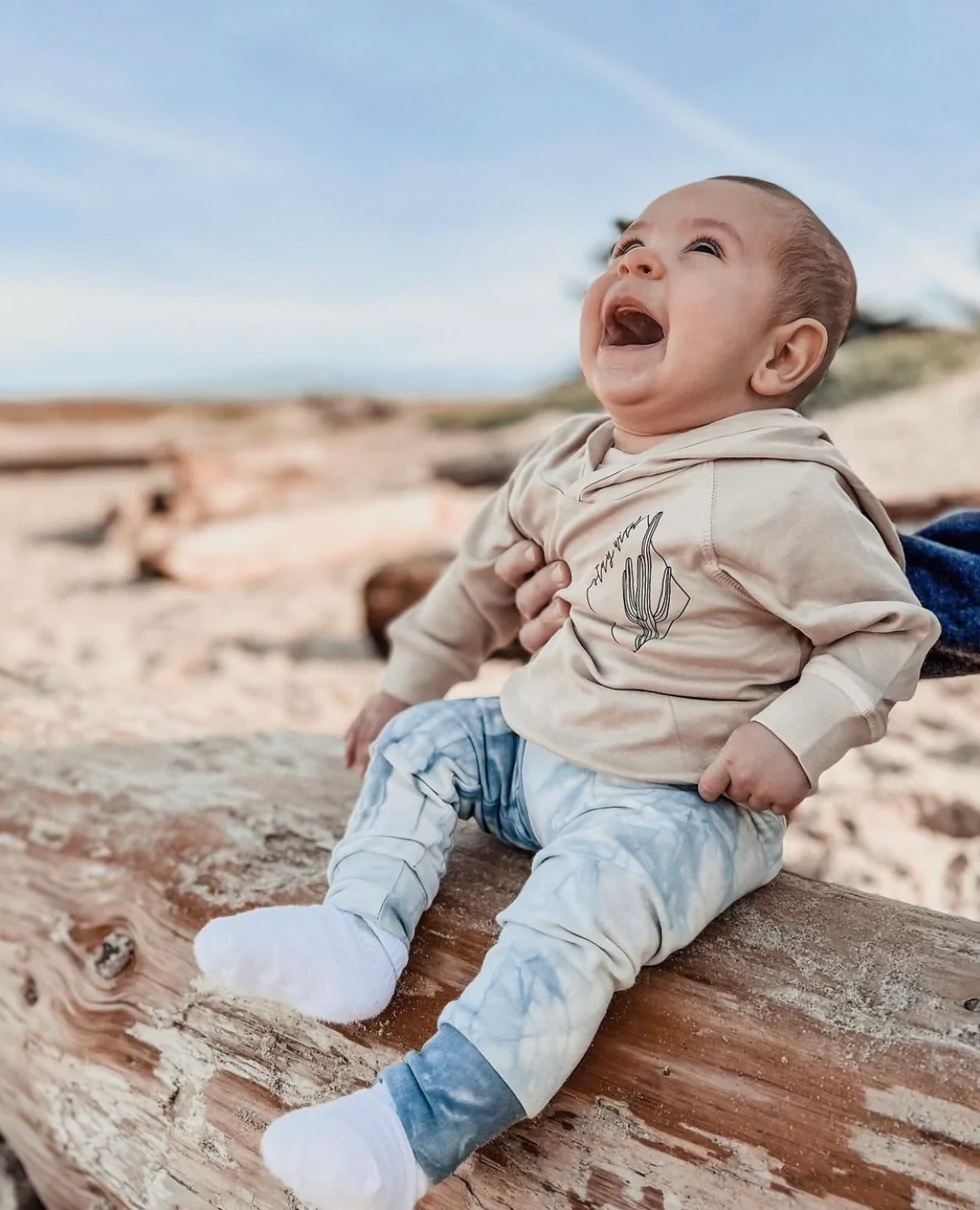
[(404, 195)]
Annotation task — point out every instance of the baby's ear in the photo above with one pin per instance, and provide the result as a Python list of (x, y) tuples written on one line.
[(794, 351)]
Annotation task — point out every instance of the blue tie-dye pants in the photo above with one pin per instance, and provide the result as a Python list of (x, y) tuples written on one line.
[(625, 873)]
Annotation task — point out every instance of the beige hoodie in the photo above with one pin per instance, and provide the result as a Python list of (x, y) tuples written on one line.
[(733, 572)]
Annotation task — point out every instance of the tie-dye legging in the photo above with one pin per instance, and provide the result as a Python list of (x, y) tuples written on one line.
[(625, 873)]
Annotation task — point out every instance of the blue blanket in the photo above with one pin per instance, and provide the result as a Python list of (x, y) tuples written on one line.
[(943, 565)]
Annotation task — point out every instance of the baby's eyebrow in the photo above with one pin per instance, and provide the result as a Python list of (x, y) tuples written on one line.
[(720, 224)]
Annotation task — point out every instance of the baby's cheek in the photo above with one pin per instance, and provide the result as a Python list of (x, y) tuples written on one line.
[(590, 327)]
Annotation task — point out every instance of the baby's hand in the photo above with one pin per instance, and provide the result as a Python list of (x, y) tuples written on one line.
[(756, 770), (366, 728)]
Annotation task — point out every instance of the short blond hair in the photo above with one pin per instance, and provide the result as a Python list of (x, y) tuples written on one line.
[(816, 276)]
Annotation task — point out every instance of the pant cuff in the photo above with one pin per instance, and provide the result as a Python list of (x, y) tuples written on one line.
[(450, 1101), (395, 904)]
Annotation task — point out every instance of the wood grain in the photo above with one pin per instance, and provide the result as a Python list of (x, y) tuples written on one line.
[(816, 1048)]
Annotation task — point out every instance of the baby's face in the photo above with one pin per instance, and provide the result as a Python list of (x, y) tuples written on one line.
[(676, 324)]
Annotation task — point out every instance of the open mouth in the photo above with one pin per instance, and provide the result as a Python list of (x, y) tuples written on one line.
[(627, 324)]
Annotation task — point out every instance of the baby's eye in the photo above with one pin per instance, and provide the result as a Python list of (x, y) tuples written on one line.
[(704, 243), (622, 248)]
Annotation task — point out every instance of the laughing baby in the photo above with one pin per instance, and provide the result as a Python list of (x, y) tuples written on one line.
[(738, 619)]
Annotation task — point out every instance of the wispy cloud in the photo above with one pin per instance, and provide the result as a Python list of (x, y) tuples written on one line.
[(139, 137), (751, 155)]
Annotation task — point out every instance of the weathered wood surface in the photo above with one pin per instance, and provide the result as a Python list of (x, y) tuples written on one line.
[(320, 535), (816, 1049)]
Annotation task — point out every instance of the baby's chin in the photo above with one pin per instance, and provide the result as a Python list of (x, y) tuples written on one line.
[(623, 389)]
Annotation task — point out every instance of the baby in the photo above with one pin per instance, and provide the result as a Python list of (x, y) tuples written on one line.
[(738, 618)]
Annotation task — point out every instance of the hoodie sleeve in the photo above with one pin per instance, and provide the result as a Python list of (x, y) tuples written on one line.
[(467, 614), (804, 550)]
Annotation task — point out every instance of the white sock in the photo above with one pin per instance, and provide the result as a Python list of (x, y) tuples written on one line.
[(351, 1154), (318, 959)]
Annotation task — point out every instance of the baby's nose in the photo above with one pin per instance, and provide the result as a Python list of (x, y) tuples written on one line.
[(642, 261)]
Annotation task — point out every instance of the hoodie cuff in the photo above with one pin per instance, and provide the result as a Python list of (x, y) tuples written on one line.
[(414, 679), (818, 722)]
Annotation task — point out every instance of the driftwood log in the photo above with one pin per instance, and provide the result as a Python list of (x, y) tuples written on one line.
[(321, 535), (76, 439), (924, 507), (816, 1049), (27, 448), (493, 469), (75, 434), (211, 485), (398, 585), (395, 587)]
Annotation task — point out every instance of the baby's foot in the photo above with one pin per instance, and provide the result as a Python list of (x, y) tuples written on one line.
[(351, 1154), (320, 960)]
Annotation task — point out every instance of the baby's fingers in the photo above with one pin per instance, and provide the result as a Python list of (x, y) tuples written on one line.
[(534, 634), (715, 780), (786, 804), (537, 592), (517, 563)]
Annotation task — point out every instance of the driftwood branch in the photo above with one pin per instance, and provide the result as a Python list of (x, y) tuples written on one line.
[(816, 1048)]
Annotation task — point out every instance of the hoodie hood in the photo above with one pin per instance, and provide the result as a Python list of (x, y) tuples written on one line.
[(775, 433)]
